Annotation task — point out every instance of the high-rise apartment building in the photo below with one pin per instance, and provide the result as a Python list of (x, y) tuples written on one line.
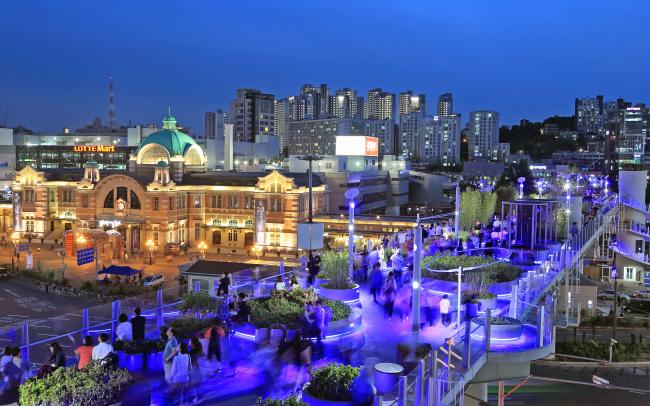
[(214, 124), (280, 117), (319, 136), (632, 137), (442, 139), (384, 130), (411, 136), (589, 114), (411, 103), (252, 114), (483, 135), (445, 104), (379, 105), (344, 103)]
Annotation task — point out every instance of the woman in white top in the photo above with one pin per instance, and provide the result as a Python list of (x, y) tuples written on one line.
[(279, 284), (180, 371), (124, 329)]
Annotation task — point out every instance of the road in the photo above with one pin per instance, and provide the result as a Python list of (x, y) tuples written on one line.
[(603, 334)]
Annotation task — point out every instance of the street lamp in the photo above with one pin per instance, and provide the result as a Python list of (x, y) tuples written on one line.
[(350, 195), (15, 237), (203, 246), (81, 240), (150, 246)]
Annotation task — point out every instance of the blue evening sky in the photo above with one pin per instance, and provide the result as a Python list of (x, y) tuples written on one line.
[(525, 59)]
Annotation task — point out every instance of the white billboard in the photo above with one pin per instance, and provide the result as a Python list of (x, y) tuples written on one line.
[(310, 236), (357, 145)]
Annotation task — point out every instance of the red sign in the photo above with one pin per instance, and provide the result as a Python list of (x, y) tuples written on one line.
[(68, 243), (372, 146)]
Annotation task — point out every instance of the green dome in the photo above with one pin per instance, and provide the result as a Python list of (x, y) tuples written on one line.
[(91, 164), (174, 141), (161, 164)]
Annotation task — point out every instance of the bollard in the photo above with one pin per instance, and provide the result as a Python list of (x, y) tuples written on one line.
[(116, 310), (160, 321), (85, 323), (514, 299), (418, 382), (25, 341)]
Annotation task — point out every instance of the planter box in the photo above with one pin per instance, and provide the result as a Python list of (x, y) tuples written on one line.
[(276, 336), (343, 295), (261, 335), (502, 332), (314, 401), (485, 304)]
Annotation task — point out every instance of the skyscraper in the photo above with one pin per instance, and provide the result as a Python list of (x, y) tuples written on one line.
[(632, 138), (214, 124), (589, 113), (483, 135), (281, 114), (344, 103), (252, 114), (384, 130), (411, 103), (379, 105), (445, 104), (411, 136), (442, 139)]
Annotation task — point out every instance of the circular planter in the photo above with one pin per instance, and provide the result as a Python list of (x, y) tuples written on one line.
[(261, 335), (311, 400), (488, 303), (501, 332), (276, 336), (343, 295), (320, 281)]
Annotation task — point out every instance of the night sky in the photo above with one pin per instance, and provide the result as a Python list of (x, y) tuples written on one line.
[(525, 59)]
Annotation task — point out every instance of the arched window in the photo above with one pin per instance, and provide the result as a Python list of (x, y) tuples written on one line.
[(274, 188), (248, 224), (109, 202), (216, 222), (153, 153), (232, 223), (135, 202)]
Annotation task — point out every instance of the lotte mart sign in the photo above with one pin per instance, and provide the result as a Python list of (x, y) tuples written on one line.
[(94, 148), (357, 145)]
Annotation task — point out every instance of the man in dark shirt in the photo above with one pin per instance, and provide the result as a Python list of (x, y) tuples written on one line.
[(137, 324), (244, 310)]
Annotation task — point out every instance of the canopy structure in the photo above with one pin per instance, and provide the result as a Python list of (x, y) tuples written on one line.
[(119, 270)]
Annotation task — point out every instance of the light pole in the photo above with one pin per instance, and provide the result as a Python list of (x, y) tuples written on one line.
[(457, 211), (310, 158), (203, 246), (150, 246), (350, 195), (15, 237), (521, 181)]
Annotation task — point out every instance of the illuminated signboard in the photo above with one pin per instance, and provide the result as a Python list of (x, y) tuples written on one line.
[(94, 148), (353, 145)]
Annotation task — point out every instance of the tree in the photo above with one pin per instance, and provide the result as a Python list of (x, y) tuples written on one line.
[(515, 171), (504, 194), (476, 205)]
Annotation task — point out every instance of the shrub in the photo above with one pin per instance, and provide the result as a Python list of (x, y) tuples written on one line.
[(333, 382), (334, 267), (290, 401), (189, 326), (199, 302), (92, 385), (500, 271)]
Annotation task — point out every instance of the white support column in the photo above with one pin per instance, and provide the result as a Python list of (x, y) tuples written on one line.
[(417, 278)]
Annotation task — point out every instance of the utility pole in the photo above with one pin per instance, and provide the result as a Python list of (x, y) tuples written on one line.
[(310, 215)]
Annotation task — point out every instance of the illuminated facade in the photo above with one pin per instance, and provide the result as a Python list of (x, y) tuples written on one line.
[(168, 198)]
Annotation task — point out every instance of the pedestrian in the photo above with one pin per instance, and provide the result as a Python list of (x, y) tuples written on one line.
[(196, 353), (180, 371), (403, 301), (6, 357), (308, 319), (138, 324), (22, 364), (12, 375), (56, 360), (215, 337), (224, 284), (124, 330), (389, 295), (171, 348), (243, 314), (279, 284), (376, 281), (102, 349), (293, 283), (84, 352), (445, 307)]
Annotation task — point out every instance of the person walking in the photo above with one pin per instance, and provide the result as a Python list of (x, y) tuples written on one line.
[(12, 375), (196, 353), (171, 348), (389, 295), (124, 330), (84, 352), (445, 307), (224, 285), (215, 337), (138, 324), (6, 357), (180, 371), (376, 281)]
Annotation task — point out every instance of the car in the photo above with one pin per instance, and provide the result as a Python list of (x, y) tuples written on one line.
[(638, 306), (608, 294), (642, 294), (4, 273), (153, 280)]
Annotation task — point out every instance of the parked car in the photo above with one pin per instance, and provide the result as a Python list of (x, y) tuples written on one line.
[(638, 306), (608, 294), (4, 273), (153, 280), (642, 294)]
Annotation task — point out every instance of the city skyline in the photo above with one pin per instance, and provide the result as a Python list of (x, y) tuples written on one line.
[(532, 67)]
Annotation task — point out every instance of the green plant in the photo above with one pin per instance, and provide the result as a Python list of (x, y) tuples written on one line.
[(199, 302), (290, 401), (334, 267), (187, 326), (333, 381), (498, 271), (92, 385)]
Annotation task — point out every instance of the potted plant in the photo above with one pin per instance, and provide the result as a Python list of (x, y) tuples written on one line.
[(334, 267), (290, 401), (336, 384)]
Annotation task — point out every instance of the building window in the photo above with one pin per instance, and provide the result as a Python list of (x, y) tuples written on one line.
[(171, 233), (30, 195), (276, 204), (171, 203), (216, 222), (197, 231), (122, 193), (274, 188), (247, 202), (109, 201), (156, 203), (84, 201), (52, 196), (629, 273), (68, 196), (248, 224), (155, 235), (274, 237), (197, 201), (235, 202), (219, 204), (29, 226), (232, 223), (232, 234), (301, 204), (135, 202)]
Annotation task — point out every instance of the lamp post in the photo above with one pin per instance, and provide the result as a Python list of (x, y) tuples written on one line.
[(15, 237), (310, 158), (350, 195), (203, 246), (521, 181), (150, 246)]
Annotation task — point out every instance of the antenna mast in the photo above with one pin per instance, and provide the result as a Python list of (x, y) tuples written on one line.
[(111, 105)]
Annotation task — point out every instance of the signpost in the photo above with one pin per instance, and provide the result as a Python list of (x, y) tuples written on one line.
[(85, 256)]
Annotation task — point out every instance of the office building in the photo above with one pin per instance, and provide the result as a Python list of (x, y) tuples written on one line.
[(281, 117), (319, 136), (379, 105), (483, 135), (384, 130), (589, 113), (411, 136), (442, 140), (411, 103), (445, 104), (252, 114), (632, 137), (214, 124)]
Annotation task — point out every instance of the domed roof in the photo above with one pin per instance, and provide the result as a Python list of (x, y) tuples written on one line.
[(162, 164), (91, 164), (174, 141)]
